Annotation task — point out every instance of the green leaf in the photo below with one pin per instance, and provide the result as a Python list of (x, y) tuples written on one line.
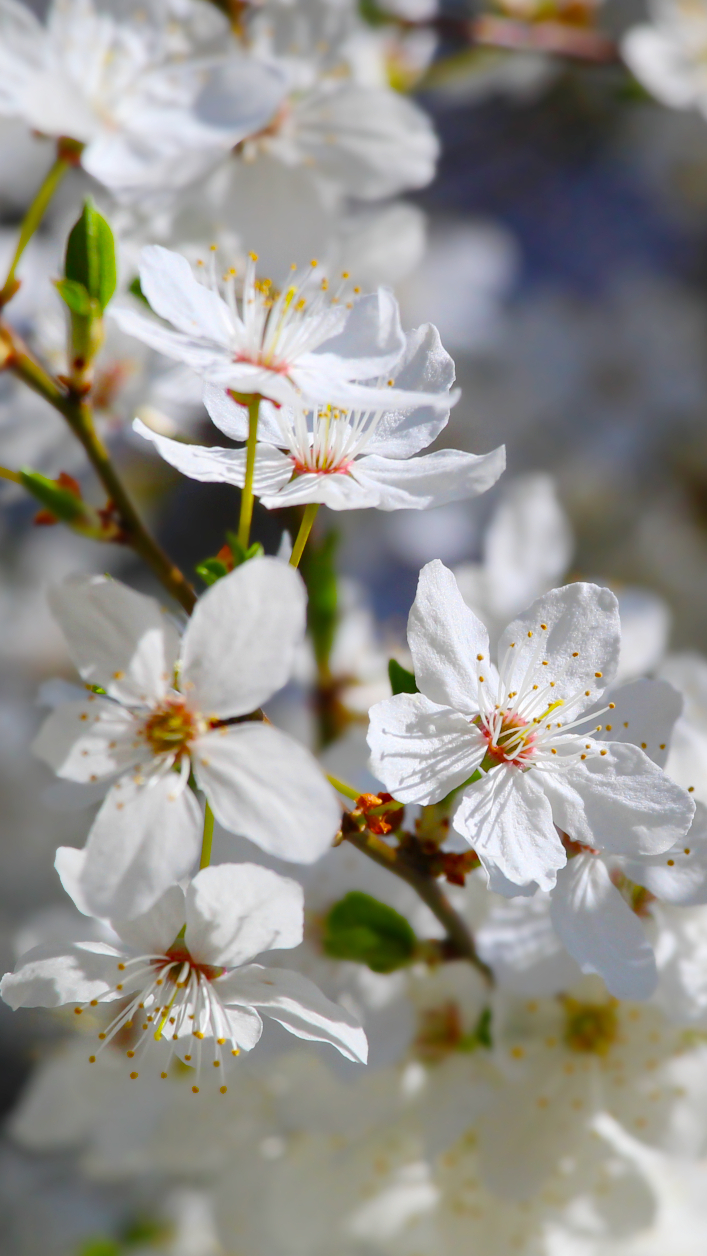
[(65, 505), (90, 255), (362, 929), (401, 680), (483, 1029), (75, 296), (211, 570), (319, 572)]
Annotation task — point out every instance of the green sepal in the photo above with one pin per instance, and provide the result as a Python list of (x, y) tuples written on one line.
[(77, 298), (401, 680), (319, 572), (240, 553), (90, 255), (480, 1035), (211, 570), (366, 931), (59, 501), (136, 288)]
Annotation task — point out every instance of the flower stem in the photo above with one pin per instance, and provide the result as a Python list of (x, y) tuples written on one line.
[(347, 790), (247, 493), (310, 514), (31, 221), (7, 474), (15, 356), (428, 889), (208, 838)]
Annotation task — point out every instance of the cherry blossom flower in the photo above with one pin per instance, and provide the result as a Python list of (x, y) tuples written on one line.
[(153, 110), (347, 459), (183, 974), (295, 346), (493, 735), (165, 711)]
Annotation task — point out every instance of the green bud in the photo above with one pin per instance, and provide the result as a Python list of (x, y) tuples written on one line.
[(401, 680), (90, 256), (362, 929), (76, 297), (211, 570), (99, 1247)]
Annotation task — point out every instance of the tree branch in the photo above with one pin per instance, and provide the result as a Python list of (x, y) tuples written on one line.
[(16, 357)]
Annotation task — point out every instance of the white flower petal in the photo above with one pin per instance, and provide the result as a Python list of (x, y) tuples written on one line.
[(153, 932), (264, 786), (447, 475), (580, 642), (679, 874), (445, 640), (118, 639), (53, 974), (232, 418), (338, 491), (200, 356), (240, 642), (89, 740), (424, 365), (422, 751), (506, 817), (600, 931), (620, 802), (212, 465), (644, 714), (519, 944), (236, 911), (145, 837), (168, 283), (298, 1004), (370, 341)]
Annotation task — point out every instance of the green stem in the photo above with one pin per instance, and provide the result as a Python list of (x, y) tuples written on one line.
[(15, 356), (247, 494), (7, 474), (428, 889), (347, 790), (31, 221), (208, 838), (310, 514)]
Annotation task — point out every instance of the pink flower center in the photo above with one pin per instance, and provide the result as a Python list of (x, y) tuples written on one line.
[(507, 743)]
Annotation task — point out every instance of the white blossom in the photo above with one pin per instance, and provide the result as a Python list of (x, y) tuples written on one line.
[(152, 110), (348, 459), (294, 346), (167, 710), (667, 54), (185, 969), (531, 772)]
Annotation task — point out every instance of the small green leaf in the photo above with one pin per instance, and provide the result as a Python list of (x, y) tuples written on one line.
[(401, 680), (75, 296), (362, 929), (90, 255), (59, 501), (211, 570)]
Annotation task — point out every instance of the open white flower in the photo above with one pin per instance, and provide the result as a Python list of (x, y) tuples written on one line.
[(347, 459), (184, 968), (531, 771), (171, 710), (296, 346), (152, 109)]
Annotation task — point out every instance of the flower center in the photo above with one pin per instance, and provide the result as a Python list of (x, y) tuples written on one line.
[(510, 738), (590, 1027), (170, 728)]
